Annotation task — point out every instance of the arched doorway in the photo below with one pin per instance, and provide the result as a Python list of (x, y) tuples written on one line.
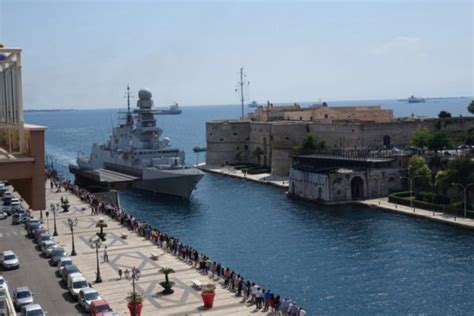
[(386, 142), (357, 188)]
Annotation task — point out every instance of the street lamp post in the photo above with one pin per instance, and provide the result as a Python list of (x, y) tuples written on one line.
[(53, 209), (47, 220), (96, 244), (71, 227), (135, 277), (465, 187), (410, 180)]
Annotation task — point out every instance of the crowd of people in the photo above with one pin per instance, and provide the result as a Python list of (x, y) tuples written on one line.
[(251, 293)]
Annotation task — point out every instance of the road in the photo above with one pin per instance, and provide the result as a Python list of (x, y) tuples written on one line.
[(35, 272)]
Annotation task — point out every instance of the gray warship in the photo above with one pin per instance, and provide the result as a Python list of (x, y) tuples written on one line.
[(135, 149)]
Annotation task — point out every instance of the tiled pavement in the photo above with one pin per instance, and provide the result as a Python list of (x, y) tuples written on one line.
[(135, 252)]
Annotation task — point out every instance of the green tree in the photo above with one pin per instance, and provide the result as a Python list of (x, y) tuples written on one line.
[(439, 140), (444, 114), (421, 138), (461, 170), (310, 145), (470, 108), (419, 171), (442, 181)]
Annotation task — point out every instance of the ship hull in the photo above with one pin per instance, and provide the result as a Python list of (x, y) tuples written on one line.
[(178, 185)]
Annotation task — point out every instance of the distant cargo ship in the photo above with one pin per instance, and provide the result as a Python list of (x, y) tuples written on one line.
[(413, 99), (174, 109), (254, 104)]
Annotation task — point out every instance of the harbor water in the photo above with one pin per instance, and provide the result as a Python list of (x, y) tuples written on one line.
[(333, 260)]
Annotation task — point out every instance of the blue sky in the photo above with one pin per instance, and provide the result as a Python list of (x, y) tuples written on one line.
[(82, 54)]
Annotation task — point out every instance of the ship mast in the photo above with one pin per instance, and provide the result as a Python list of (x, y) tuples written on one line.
[(241, 83), (129, 113)]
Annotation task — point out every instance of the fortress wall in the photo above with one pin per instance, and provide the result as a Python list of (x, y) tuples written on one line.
[(260, 136), (225, 140)]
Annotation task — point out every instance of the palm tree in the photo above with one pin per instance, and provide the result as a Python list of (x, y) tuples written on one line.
[(167, 285)]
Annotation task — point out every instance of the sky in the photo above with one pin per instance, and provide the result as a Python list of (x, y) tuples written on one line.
[(82, 54)]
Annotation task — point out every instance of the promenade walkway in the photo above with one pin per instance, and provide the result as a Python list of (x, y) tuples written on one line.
[(132, 252), (265, 178), (417, 212)]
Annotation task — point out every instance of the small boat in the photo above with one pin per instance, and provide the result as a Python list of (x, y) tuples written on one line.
[(174, 109), (198, 149)]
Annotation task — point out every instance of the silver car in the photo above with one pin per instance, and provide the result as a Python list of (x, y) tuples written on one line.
[(9, 260), (87, 296), (47, 247), (22, 296), (32, 310)]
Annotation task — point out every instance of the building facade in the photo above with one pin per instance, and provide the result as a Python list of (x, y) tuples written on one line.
[(325, 179), (21, 145)]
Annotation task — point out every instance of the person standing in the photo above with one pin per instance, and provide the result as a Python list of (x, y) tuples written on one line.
[(106, 255), (120, 274)]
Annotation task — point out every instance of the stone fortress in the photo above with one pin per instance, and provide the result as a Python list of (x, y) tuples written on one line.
[(277, 130)]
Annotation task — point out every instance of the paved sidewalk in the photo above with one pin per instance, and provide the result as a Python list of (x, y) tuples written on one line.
[(265, 178), (411, 211), (135, 252)]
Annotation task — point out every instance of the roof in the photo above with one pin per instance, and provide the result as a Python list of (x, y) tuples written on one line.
[(100, 302), (87, 290), (31, 307), (22, 289)]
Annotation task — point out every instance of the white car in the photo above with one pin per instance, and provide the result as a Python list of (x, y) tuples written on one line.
[(75, 283), (87, 296), (22, 296), (32, 310), (9, 260), (3, 283), (3, 215)]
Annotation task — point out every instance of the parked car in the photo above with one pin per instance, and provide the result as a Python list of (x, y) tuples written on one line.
[(7, 198), (75, 282), (32, 228), (3, 215), (100, 308), (32, 310), (17, 219), (44, 236), (64, 261), (47, 248), (68, 270), (87, 296), (38, 233), (22, 296), (9, 260), (57, 253), (3, 283), (31, 221)]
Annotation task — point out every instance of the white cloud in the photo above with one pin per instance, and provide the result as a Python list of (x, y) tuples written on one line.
[(400, 45)]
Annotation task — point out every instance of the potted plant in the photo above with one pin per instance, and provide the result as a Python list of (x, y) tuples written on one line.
[(208, 294), (167, 284), (101, 224), (65, 204), (135, 303)]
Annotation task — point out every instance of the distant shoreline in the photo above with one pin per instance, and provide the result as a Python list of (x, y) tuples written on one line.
[(49, 110)]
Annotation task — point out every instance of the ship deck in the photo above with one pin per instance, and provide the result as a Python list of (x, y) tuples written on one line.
[(104, 178)]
